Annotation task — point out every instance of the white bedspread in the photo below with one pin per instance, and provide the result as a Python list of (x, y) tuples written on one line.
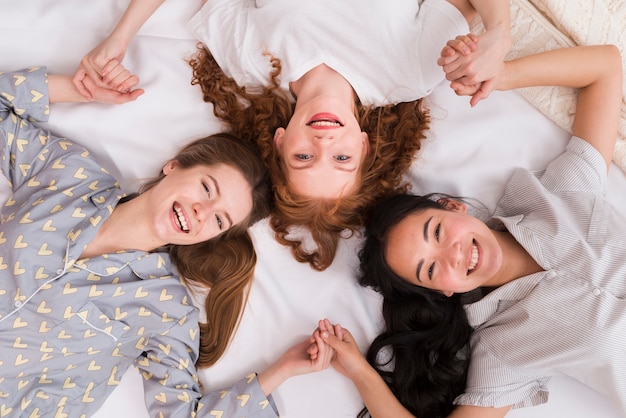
[(470, 152)]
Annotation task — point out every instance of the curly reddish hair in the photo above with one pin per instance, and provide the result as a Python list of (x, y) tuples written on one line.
[(395, 133)]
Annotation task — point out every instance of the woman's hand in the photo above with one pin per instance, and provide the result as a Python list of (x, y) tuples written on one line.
[(103, 67), (61, 89), (472, 63), (308, 356), (105, 94), (348, 359)]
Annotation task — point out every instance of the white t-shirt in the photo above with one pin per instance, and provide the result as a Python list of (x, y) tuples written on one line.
[(386, 50)]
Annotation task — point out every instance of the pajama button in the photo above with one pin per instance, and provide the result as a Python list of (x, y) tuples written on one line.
[(552, 274), (18, 303), (59, 271), (596, 292)]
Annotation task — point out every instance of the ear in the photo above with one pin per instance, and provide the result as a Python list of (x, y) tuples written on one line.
[(169, 167), (366, 143), (447, 293), (278, 138), (453, 205)]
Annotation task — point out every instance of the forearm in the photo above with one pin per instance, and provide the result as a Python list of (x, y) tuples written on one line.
[(378, 398), (271, 378), (494, 14), (596, 70), (576, 67), (467, 411), (61, 89), (137, 13)]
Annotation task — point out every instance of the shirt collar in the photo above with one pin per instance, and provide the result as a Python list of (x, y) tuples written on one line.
[(501, 298), (145, 265)]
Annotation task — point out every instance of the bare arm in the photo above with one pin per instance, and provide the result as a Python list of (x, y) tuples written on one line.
[(465, 411), (378, 398), (595, 70), (296, 361)]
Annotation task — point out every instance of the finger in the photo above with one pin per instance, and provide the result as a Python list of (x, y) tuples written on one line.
[(326, 353), (464, 90), (453, 70), (339, 332), (447, 51), (329, 326), (77, 80), (118, 77), (321, 324), (134, 94), (448, 57), (484, 91), (110, 67), (460, 45), (128, 84), (332, 340), (471, 41), (107, 95)]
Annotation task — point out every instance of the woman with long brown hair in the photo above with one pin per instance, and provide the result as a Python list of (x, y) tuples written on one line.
[(89, 276)]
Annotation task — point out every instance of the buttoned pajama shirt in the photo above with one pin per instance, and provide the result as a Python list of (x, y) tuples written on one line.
[(569, 319), (70, 327)]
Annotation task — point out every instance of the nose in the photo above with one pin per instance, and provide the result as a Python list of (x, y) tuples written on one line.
[(453, 255), (322, 137), (202, 210)]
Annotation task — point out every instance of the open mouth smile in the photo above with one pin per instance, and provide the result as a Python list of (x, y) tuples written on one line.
[(474, 260), (324, 121), (181, 221)]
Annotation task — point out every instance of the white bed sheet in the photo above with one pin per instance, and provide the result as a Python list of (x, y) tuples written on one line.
[(469, 152)]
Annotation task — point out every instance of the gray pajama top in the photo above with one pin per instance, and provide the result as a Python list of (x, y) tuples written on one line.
[(70, 327)]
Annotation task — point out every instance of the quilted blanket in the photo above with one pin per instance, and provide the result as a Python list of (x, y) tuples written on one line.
[(541, 25)]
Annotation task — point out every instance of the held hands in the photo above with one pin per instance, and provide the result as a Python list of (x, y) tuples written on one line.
[(473, 63), (308, 356), (103, 67), (347, 358), (105, 94)]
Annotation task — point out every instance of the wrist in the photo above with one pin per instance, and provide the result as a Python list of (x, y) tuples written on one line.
[(365, 377), (61, 90), (271, 378)]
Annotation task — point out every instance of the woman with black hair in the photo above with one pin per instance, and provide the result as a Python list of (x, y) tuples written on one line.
[(541, 283)]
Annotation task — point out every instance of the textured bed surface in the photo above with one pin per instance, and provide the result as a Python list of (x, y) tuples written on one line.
[(469, 152)]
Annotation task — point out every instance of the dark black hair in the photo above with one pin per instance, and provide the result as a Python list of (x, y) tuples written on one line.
[(423, 354)]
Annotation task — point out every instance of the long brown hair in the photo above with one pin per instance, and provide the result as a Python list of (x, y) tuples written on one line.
[(224, 264), (395, 133)]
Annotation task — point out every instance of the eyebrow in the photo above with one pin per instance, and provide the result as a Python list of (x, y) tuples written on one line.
[(421, 263), (426, 228), (217, 192)]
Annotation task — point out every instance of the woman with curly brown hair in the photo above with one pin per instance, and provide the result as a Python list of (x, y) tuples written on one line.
[(336, 133)]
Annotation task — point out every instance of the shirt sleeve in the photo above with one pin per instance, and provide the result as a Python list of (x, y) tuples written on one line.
[(23, 100), (172, 387), (223, 27), (580, 168), (492, 383)]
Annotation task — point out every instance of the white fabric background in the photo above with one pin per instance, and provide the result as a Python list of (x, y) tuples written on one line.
[(470, 152)]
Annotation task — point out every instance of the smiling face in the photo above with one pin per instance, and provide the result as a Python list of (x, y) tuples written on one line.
[(322, 149), (192, 205), (446, 250)]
